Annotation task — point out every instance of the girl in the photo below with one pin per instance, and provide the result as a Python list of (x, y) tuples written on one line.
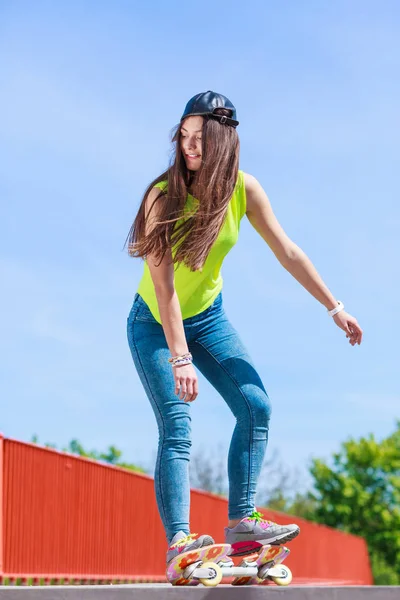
[(187, 223)]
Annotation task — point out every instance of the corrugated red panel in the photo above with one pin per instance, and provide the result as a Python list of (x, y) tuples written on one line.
[(67, 515)]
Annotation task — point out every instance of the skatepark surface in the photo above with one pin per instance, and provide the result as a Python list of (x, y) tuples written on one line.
[(222, 592)]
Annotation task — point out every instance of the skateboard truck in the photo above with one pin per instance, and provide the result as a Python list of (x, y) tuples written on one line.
[(210, 574)]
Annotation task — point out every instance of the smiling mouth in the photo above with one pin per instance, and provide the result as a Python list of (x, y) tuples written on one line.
[(193, 156)]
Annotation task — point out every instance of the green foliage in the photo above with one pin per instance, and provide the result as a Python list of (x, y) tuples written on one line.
[(382, 572), (360, 494), (112, 456), (277, 501), (301, 505)]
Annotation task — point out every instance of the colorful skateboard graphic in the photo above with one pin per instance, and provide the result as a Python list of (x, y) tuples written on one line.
[(181, 562), (268, 557), (210, 564)]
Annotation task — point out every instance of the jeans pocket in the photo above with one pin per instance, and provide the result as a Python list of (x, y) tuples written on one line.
[(134, 308), (144, 313), (145, 318)]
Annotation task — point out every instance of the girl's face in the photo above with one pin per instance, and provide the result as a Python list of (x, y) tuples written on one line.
[(191, 134)]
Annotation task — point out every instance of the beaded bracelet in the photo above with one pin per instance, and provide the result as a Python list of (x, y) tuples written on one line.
[(175, 358), (181, 363)]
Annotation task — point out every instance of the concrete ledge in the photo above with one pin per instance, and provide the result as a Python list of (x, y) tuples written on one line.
[(222, 592)]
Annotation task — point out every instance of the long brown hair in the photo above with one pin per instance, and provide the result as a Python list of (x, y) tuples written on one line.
[(212, 185)]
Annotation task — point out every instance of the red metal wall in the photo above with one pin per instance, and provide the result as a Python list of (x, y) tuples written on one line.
[(63, 515)]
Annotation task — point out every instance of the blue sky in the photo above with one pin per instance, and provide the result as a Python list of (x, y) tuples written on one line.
[(89, 92)]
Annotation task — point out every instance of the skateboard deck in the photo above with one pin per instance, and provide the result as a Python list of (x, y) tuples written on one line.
[(221, 554), (175, 569), (267, 554)]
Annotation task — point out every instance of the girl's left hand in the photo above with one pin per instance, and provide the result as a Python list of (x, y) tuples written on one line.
[(350, 325)]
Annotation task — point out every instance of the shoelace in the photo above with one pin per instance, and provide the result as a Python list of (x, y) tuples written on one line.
[(184, 540), (258, 517)]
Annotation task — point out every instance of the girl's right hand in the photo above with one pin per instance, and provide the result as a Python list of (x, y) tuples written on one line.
[(186, 383)]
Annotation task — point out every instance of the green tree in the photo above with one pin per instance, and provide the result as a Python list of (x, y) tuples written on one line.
[(383, 574), (111, 456), (360, 493)]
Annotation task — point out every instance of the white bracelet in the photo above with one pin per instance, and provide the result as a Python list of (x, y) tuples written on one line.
[(181, 363), (337, 309)]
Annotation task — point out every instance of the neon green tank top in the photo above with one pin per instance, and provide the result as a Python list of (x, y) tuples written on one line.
[(197, 290)]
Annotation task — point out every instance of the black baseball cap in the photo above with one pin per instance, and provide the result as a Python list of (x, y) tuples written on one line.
[(204, 104)]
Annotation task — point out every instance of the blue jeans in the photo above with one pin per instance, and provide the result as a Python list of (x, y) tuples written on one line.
[(219, 354)]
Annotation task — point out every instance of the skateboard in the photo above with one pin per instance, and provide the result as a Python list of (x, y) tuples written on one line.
[(208, 565)]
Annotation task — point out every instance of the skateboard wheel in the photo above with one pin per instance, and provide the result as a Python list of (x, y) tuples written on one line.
[(211, 581), (285, 578)]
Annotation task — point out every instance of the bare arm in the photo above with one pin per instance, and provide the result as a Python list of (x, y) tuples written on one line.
[(291, 257), (167, 298), (185, 377)]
